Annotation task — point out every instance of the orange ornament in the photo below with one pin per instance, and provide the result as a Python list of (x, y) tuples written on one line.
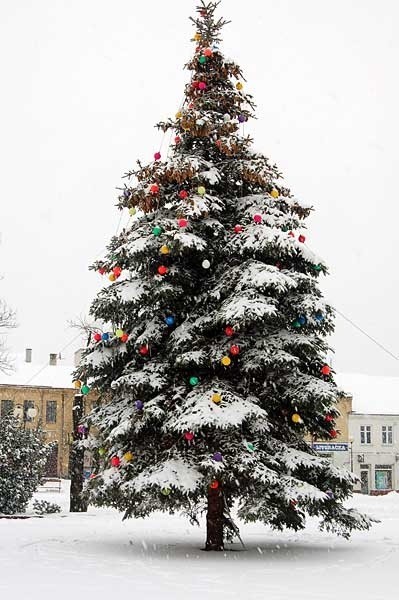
[(207, 52)]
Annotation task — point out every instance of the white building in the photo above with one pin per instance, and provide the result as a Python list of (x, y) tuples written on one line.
[(373, 431)]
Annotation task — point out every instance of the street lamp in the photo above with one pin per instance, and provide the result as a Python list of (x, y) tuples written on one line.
[(25, 415), (351, 440)]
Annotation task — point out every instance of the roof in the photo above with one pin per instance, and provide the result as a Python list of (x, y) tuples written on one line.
[(31, 374), (372, 394)]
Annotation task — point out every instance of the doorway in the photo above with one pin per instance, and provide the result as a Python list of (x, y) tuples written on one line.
[(364, 482)]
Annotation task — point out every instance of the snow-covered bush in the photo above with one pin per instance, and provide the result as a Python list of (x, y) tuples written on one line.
[(43, 507), (23, 456)]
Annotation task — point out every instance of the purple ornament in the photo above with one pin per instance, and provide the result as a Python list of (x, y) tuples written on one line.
[(330, 494), (217, 457), (82, 429), (139, 404), (242, 118)]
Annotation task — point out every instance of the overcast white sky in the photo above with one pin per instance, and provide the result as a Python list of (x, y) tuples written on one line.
[(84, 81)]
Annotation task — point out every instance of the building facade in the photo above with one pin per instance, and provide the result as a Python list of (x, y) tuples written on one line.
[(375, 448), (46, 404)]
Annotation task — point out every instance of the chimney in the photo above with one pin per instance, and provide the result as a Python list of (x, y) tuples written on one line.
[(77, 357), (53, 360), (28, 355)]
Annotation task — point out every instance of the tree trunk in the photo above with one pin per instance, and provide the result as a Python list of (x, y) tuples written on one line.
[(214, 519), (76, 456)]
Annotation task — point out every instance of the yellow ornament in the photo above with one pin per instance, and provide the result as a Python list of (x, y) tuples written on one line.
[(226, 361), (119, 333), (132, 211), (201, 190), (197, 37), (239, 85), (296, 418), (216, 398), (164, 249), (112, 277), (274, 194), (179, 114), (77, 384), (128, 456)]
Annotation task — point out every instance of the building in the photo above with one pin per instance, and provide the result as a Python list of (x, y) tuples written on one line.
[(374, 431), (42, 396)]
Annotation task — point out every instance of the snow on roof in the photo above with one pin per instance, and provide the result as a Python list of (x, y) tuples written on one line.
[(56, 376), (372, 394)]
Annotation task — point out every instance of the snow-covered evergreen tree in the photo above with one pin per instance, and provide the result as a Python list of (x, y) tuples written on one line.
[(23, 457), (212, 352)]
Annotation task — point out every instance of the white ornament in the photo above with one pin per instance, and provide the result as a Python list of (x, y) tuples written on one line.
[(226, 118), (206, 264)]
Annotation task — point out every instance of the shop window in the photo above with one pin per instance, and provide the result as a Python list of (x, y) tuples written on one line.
[(383, 477)]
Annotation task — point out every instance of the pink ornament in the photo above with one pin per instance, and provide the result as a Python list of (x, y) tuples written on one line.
[(238, 228), (202, 85), (258, 218), (189, 436), (182, 222), (157, 156)]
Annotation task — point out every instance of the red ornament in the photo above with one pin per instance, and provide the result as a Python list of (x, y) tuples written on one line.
[(333, 433), (189, 436), (207, 52), (291, 234), (301, 238), (326, 370), (144, 350), (97, 337), (235, 350), (195, 84), (183, 194), (191, 105), (238, 228), (258, 218), (117, 271), (229, 331), (218, 143), (214, 485), (162, 270), (177, 139), (124, 338), (102, 270), (182, 222), (328, 418), (157, 156), (154, 189), (115, 461), (293, 503)]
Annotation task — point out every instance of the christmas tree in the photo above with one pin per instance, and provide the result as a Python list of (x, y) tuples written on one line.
[(211, 356), (23, 457)]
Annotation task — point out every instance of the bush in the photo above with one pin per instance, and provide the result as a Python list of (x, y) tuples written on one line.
[(43, 507), (23, 456)]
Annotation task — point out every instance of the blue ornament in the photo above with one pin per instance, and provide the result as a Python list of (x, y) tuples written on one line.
[(330, 494), (105, 337), (139, 405), (170, 321), (319, 317), (302, 320)]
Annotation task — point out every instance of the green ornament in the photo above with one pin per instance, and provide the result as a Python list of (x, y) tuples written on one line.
[(250, 447), (85, 390), (194, 381), (202, 60), (102, 451), (317, 267), (296, 324), (157, 230), (166, 491)]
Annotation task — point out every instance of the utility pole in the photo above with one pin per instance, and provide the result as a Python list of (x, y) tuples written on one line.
[(76, 459)]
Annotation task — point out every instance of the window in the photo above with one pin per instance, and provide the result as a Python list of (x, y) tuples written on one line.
[(51, 411), (27, 405), (383, 477), (387, 434), (365, 434), (7, 407)]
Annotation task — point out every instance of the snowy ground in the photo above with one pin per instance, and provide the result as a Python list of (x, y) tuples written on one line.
[(94, 555)]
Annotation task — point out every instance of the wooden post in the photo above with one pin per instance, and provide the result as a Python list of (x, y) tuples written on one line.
[(214, 519), (76, 456)]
